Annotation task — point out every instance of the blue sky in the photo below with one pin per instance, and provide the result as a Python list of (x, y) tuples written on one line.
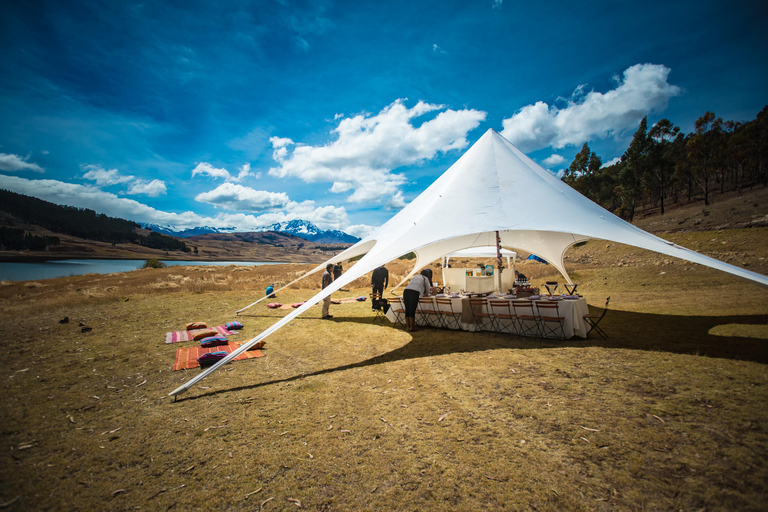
[(245, 113)]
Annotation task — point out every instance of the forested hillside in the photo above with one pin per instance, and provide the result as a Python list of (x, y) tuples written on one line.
[(663, 166), (79, 222)]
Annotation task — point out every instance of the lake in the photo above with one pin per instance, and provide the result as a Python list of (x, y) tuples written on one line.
[(62, 268)]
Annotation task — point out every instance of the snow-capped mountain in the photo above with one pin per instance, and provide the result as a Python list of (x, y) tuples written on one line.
[(301, 228)]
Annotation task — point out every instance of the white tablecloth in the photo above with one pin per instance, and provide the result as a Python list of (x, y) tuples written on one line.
[(573, 310)]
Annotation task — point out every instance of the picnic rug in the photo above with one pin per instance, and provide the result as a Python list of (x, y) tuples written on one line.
[(177, 336), (333, 301), (186, 358)]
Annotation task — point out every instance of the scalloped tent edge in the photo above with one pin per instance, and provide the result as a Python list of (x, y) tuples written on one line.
[(492, 187)]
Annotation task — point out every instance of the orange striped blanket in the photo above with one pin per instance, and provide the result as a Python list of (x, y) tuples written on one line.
[(186, 358)]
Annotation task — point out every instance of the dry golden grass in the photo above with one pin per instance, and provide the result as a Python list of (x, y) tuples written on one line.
[(668, 414)]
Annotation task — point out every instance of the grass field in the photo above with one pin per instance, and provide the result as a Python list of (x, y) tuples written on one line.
[(669, 413)]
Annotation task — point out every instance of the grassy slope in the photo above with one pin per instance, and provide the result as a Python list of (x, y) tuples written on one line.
[(349, 415)]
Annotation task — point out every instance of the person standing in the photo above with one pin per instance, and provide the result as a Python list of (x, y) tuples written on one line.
[(327, 280), (418, 286), (379, 280), (337, 270)]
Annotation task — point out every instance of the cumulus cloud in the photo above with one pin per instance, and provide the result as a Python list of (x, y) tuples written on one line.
[(152, 188), (104, 177), (15, 163), (642, 89), (204, 168), (86, 196), (553, 160), (136, 186), (369, 147), (207, 169), (238, 197), (360, 230)]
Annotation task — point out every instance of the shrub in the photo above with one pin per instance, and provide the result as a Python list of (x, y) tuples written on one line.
[(153, 263)]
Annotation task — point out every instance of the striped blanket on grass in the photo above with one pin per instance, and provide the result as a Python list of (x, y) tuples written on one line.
[(177, 336), (186, 358)]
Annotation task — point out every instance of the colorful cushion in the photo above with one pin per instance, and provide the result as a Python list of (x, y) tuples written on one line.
[(213, 341), (361, 298), (274, 305), (211, 358), (196, 325), (297, 304), (204, 333), (233, 326)]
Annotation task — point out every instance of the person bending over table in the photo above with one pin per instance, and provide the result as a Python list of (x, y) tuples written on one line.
[(418, 286)]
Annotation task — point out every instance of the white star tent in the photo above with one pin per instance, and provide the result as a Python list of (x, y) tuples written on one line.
[(492, 187)]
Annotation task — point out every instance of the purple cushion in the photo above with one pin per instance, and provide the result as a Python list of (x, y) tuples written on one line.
[(213, 341), (211, 358)]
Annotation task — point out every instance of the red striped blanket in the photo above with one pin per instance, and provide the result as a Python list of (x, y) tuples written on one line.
[(187, 357), (177, 336)]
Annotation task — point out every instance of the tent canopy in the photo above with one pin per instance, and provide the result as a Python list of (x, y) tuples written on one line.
[(492, 187), (481, 252)]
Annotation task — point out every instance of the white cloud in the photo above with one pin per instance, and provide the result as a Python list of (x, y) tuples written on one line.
[(368, 148), (553, 160), (238, 197), (245, 171), (152, 188), (104, 177), (84, 196), (136, 186), (359, 230), (207, 169), (612, 162), (643, 89), (14, 163), (497, 4)]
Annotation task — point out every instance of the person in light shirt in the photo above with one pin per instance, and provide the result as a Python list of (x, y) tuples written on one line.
[(418, 287)]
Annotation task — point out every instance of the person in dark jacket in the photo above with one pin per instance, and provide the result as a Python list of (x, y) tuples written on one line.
[(379, 280)]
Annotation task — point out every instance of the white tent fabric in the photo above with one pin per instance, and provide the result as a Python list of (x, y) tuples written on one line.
[(492, 187), (480, 252)]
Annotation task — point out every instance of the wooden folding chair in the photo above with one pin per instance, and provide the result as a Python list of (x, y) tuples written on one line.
[(593, 320), (481, 313), (429, 314), (528, 323), (550, 321), (448, 317), (503, 314), (398, 310)]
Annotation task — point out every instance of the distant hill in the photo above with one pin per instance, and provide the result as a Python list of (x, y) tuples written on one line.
[(300, 228), (80, 222)]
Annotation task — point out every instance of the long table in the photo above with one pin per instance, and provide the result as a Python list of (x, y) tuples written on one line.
[(572, 310)]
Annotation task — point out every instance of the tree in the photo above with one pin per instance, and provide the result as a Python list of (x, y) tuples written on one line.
[(633, 170), (584, 173), (661, 158), (705, 150)]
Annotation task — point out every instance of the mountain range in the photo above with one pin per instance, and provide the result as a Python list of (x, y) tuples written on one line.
[(301, 228)]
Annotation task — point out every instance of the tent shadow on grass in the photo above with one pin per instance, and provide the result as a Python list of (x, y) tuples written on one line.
[(687, 335)]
